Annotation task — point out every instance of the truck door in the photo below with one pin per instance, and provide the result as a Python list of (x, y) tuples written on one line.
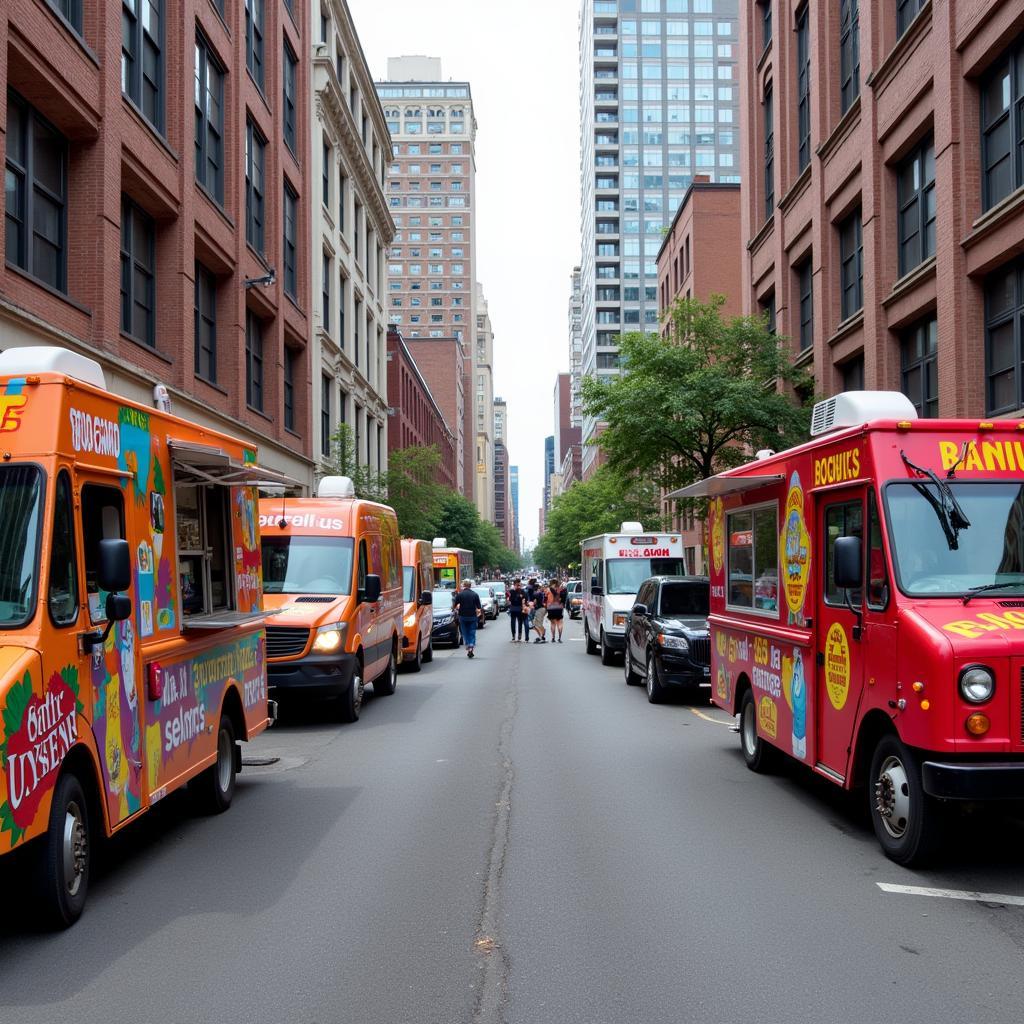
[(839, 636), (113, 666)]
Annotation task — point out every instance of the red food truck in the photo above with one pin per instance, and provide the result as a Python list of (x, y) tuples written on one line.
[(867, 609)]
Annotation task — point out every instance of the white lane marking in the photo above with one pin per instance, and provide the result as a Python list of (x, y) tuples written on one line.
[(708, 718), (953, 894)]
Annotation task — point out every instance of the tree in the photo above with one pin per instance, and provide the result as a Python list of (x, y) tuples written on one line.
[(412, 491), (701, 400), (367, 484), (598, 505)]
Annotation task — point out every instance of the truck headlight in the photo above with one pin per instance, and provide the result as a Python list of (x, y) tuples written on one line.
[(619, 619), (673, 643), (977, 684), (329, 638)]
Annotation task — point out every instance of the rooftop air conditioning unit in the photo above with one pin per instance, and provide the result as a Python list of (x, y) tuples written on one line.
[(20, 362), (336, 487), (631, 528), (440, 542), (854, 408)]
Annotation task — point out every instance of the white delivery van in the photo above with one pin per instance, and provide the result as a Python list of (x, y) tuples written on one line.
[(614, 566)]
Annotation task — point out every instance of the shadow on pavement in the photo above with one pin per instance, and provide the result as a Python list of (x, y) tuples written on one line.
[(401, 707)]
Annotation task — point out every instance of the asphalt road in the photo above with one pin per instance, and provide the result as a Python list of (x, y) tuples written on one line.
[(522, 838)]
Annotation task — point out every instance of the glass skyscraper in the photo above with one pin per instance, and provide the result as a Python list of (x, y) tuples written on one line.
[(659, 105)]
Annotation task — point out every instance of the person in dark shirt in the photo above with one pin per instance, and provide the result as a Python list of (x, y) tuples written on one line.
[(468, 607), (517, 612)]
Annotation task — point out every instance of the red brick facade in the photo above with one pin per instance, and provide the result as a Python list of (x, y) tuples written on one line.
[(442, 364), (72, 80), (415, 417), (901, 247)]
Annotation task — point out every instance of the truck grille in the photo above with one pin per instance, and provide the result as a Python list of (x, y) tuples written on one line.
[(286, 641), (700, 651)]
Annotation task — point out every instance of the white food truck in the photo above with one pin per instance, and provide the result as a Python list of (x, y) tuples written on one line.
[(614, 566)]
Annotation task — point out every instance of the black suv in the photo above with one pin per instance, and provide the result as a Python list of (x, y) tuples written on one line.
[(667, 638)]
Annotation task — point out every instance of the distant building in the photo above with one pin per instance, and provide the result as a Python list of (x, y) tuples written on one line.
[(576, 348), (513, 483), (441, 364), (549, 468), (483, 405), (502, 502), (567, 435)]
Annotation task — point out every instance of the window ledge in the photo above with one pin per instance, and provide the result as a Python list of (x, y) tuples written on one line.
[(70, 29), (259, 412), (149, 126), (763, 59), (847, 327), (220, 17), (992, 220), (48, 288), (909, 281), (796, 190), (262, 259), (217, 205), (842, 131), (905, 45), (803, 358), (212, 384), (152, 350), (294, 302), (258, 88)]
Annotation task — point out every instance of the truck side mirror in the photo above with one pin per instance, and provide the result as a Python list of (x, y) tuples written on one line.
[(119, 607), (847, 564), (114, 572), (639, 608), (371, 588), (426, 598)]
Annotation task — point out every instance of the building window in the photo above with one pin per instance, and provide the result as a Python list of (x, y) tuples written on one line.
[(291, 221), (341, 202), (325, 289), (766, 23), (1004, 339), (805, 279), (849, 53), (853, 373), (36, 195), (916, 197), (290, 76), (325, 416), (325, 176), (919, 362), (255, 147), (142, 62), (906, 12), (71, 11), (254, 40), (1002, 127), (291, 357), (209, 99), (205, 324), (803, 88), (138, 274), (769, 152), (768, 309), (253, 361), (851, 261)]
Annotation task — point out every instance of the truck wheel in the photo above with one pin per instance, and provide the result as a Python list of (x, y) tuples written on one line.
[(214, 788), (417, 663), (386, 683), (656, 693), (632, 679), (350, 703), (64, 856), (592, 648), (760, 756), (607, 654), (428, 654), (907, 822)]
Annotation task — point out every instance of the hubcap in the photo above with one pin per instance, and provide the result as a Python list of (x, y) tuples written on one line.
[(749, 730), (650, 678), (892, 797), (224, 761), (357, 691), (75, 848)]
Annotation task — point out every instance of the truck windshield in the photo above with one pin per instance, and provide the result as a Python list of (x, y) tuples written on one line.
[(408, 583), (989, 551), (21, 499), (626, 574), (307, 565)]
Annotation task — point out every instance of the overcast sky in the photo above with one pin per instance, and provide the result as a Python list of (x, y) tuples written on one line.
[(521, 63)]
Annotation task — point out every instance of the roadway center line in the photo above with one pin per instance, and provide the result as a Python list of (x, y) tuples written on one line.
[(708, 718), (953, 894)]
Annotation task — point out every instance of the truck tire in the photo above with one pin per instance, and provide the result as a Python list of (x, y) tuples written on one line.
[(214, 788), (592, 647), (607, 654), (656, 693), (907, 821), (761, 757), (387, 682), (64, 856), (428, 654), (417, 663), (350, 704), (632, 679)]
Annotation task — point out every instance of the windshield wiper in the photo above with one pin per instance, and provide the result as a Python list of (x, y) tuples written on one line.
[(951, 516), (974, 591)]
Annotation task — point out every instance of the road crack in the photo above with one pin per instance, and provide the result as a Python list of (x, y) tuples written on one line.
[(495, 962)]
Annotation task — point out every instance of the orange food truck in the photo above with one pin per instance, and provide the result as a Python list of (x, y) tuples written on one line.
[(417, 587), (451, 565), (332, 577), (867, 609), (131, 629)]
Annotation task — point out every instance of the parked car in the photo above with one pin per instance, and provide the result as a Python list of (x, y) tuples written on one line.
[(500, 592), (418, 620), (488, 602), (575, 590), (446, 624), (668, 644)]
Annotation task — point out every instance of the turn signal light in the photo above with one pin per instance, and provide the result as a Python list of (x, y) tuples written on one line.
[(977, 724), (917, 687), (925, 705)]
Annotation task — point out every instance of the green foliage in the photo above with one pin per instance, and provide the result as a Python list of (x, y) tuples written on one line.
[(412, 491), (598, 505), (18, 697), (700, 401)]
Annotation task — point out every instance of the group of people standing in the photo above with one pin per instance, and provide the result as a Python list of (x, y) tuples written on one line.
[(533, 604)]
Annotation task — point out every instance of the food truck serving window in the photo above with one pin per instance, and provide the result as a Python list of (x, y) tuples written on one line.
[(21, 499), (753, 563)]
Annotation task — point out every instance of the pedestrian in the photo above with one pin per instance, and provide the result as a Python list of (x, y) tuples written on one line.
[(467, 606), (555, 607), (517, 612), (539, 600)]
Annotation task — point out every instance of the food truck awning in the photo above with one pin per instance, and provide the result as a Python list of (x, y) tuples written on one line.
[(717, 486), (214, 466)]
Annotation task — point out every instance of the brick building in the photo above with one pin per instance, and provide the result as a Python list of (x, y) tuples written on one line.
[(503, 518), (884, 213), (140, 221), (415, 418), (441, 363)]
